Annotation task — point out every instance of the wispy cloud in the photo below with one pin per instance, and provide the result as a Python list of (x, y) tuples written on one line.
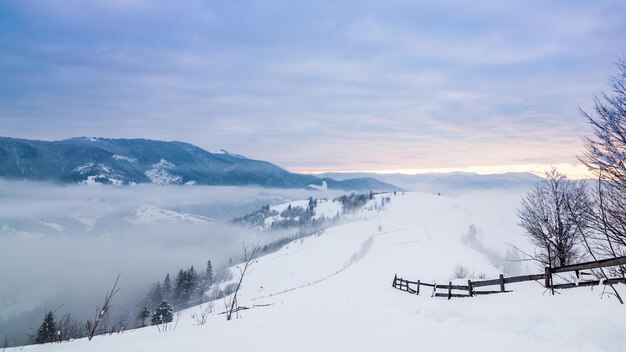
[(314, 85)]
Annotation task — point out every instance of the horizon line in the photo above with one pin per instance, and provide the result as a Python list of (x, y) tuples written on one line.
[(572, 171)]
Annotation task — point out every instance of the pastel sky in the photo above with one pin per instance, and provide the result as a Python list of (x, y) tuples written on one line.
[(409, 86)]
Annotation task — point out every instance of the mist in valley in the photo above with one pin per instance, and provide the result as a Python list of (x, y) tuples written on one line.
[(62, 246)]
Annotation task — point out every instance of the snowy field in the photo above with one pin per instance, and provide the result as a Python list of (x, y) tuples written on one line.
[(333, 292)]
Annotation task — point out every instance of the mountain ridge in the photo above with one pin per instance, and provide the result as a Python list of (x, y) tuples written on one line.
[(452, 182), (135, 161)]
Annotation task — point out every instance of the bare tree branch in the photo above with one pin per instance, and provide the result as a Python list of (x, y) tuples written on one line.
[(243, 268), (92, 327)]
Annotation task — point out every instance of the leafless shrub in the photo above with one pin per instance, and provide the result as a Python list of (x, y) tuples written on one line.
[(460, 272), (92, 326), (248, 259), (203, 314), (169, 325), (69, 327)]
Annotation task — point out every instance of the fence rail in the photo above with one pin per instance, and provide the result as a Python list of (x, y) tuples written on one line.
[(413, 287)]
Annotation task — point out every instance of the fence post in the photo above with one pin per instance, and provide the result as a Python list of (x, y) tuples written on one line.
[(449, 289), (501, 283), (395, 277), (470, 289), (418, 287), (547, 277)]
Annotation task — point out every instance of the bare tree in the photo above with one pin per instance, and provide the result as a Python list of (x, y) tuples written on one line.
[(92, 326), (243, 268), (554, 214), (606, 157), (69, 327), (599, 220)]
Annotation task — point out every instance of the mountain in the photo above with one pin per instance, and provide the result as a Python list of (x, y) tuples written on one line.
[(135, 161), (353, 184), (446, 182)]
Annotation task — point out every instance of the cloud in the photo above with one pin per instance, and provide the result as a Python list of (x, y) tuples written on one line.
[(65, 244), (351, 82)]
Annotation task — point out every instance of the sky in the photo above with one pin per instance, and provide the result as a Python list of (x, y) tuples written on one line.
[(312, 86)]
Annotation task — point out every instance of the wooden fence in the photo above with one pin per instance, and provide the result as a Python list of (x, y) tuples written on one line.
[(472, 287)]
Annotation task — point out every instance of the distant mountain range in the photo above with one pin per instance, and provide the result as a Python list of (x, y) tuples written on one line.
[(447, 182), (136, 161)]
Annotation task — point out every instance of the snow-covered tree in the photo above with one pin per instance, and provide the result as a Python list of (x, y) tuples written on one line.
[(157, 294), (167, 287), (163, 314), (185, 286), (179, 285), (48, 330), (554, 214), (206, 282), (208, 274)]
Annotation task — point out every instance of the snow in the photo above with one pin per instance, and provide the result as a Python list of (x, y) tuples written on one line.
[(91, 180), (327, 209), (125, 158), (160, 175), (88, 221), (54, 226), (225, 152), (332, 292), (82, 168), (105, 172), (153, 215)]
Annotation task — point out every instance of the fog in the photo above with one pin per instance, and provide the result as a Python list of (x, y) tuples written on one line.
[(64, 245)]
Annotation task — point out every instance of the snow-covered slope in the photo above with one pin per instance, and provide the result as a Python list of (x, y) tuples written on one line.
[(324, 209), (152, 215), (333, 292)]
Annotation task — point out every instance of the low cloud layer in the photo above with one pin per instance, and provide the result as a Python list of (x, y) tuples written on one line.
[(65, 244)]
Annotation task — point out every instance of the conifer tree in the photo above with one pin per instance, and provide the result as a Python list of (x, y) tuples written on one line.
[(206, 282), (179, 286), (186, 286), (190, 285), (192, 277), (167, 287), (47, 331), (162, 314), (157, 294), (208, 274)]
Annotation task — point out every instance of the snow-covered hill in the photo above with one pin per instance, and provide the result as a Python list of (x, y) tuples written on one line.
[(332, 292), (153, 215)]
